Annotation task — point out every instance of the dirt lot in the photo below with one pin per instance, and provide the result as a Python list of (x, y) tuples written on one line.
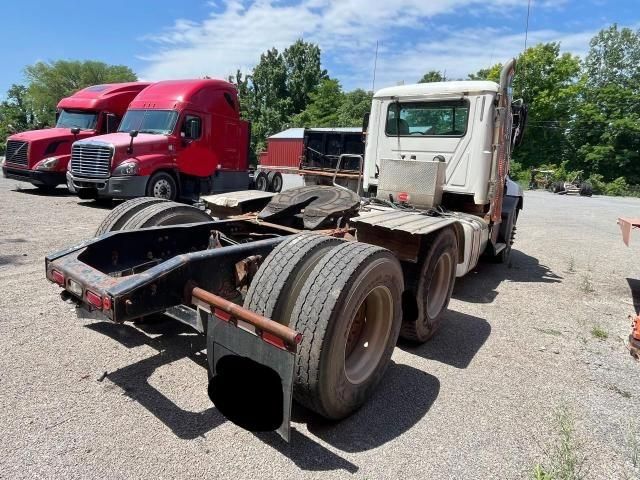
[(481, 400)]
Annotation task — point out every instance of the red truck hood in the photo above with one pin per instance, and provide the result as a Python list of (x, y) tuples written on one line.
[(50, 134), (143, 144), (49, 142)]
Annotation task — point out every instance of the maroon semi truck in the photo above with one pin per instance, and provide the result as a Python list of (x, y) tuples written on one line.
[(40, 157), (178, 139)]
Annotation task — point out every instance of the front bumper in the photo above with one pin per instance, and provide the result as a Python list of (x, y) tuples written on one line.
[(36, 177), (111, 187)]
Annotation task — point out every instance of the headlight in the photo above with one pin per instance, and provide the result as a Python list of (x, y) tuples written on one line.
[(126, 168), (47, 164)]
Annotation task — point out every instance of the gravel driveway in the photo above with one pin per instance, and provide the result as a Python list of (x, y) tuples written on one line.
[(478, 401)]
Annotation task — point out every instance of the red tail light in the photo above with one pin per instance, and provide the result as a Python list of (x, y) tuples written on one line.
[(94, 299), (57, 277), (106, 303)]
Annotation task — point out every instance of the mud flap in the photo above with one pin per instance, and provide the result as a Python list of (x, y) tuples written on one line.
[(250, 377)]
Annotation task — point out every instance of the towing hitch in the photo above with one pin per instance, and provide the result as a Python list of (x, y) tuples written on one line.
[(251, 362)]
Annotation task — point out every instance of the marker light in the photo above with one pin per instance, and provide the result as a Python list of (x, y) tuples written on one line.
[(94, 299), (57, 277)]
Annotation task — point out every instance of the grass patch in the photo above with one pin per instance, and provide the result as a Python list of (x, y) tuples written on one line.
[(586, 283), (563, 458), (599, 333)]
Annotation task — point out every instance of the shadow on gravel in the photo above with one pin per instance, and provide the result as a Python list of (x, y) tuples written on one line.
[(306, 453), (634, 286), (403, 397), (479, 286), (174, 343), (409, 390), (57, 192), (456, 343), (102, 204), (17, 259)]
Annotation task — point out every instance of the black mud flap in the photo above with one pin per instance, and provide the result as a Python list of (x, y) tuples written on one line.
[(251, 379)]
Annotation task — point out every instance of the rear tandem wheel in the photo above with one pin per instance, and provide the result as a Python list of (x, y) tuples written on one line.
[(345, 298)]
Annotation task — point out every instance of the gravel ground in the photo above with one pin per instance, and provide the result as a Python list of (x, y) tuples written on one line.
[(478, 401)]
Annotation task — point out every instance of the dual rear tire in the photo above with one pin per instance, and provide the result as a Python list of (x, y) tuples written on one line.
[(149, 212), (269, 181), (345, 298)]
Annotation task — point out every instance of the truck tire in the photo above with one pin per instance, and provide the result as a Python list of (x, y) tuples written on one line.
[(276, 182), (279, 280), (432, 291), (349, 313), (165, 213), (558, 187), (261, 181), (162, 185), (123, 212), (586, 190), (270, 176)]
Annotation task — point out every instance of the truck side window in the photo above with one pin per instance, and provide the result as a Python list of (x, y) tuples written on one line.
[(192, 127)]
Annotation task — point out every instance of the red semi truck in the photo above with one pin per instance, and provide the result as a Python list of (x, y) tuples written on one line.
[(40, 157), (178, 139)]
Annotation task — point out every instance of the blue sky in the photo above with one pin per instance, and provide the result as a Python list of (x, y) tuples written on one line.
[(164, 39)]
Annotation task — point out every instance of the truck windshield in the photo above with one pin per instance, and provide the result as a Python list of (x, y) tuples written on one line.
[(432, 119), (77, 118), (149, 121)]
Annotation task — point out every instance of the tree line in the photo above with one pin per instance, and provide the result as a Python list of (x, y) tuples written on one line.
[(584, 114)]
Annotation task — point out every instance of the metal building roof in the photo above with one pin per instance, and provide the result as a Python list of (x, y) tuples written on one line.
[(298, 133)]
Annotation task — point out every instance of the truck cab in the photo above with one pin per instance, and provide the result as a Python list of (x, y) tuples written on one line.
[(178, 139), (41, 157), (447, 145)]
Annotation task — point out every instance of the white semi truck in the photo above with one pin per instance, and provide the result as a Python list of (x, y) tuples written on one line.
[(306, 298)]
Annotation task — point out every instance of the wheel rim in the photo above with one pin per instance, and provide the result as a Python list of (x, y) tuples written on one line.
[(162, 189), (261, 183), (439, 286), (368, 333)]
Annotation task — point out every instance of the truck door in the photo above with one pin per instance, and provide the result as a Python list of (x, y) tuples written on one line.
[(195, 156)]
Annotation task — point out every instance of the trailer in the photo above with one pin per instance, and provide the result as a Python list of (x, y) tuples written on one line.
[(303, 295)]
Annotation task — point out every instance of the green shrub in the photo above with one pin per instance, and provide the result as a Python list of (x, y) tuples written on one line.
[(617, 188), (597, 183)]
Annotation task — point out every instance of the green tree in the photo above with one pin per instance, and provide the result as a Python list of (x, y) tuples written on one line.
[(51, 81), (432, 76), (353, 107), (546, 80), (605, 129), (322, 110), (279, 87), (304, 72), (16, 113), (492, 73)]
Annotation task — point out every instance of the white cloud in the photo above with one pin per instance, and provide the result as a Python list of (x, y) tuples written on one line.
[(235, 35)]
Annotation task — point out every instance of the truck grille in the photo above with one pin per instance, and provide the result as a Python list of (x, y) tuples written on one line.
[(17, 152), (91, 160)]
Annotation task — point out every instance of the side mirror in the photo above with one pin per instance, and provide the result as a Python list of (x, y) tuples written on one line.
[(365, 123), (75, 131), (133, 134)]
